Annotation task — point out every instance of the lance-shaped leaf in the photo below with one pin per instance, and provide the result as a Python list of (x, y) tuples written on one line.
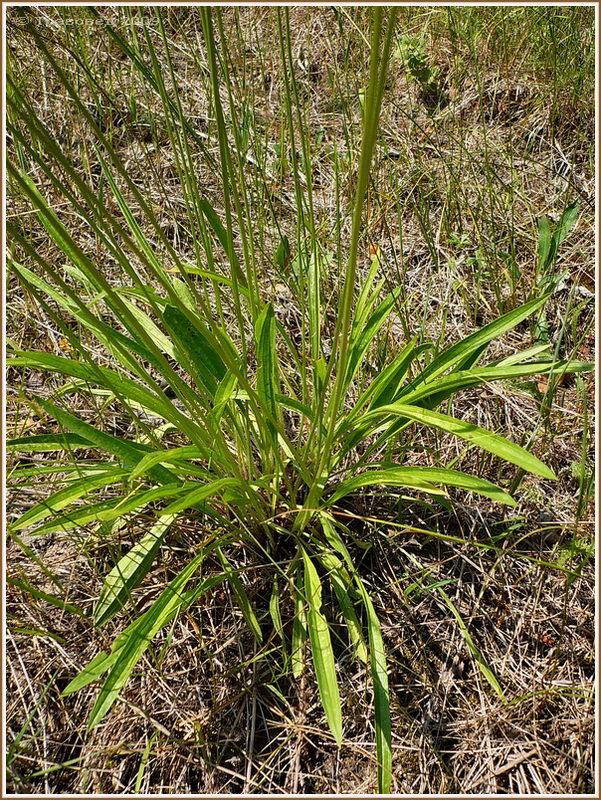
[(58, 500), (379, 675), (362, 337), (107, 510), (267, 366), (101, 376), (299, 626), (48, 442), (438, 390), (138, 637), (459, 352), (321, 651), (196, 496), (414, 476), (129, 572), (128, 452), (342, 583), (487, 440), (377, 658), (166, 456), (199, 357)]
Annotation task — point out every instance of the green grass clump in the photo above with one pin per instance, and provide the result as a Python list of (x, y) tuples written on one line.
[(225, 415)]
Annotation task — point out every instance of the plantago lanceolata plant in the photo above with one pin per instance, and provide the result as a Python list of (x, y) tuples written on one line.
[(225, 416)]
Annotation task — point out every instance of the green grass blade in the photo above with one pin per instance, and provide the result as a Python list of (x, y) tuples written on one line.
[(274, 611), (248, 611), (196, 496), (342, 583), (108, 510), (299, 626), (379, 674), (314, 296), (146, 463), (446, 386), (57, 602), (267, 367), (362, 337), (58, 500), (207, 365), (126, 451), (474, 651), (97, 667), (222, 235), (138, 637), (122, 386), (461, 350)]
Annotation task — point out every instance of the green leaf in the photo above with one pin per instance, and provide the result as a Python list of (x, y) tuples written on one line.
[(97, 667), (163, 342), (299, 626), (446, 386), (461, 350), (314, 296), (381, 391), (110, 337), (342, 583), (63, 497), (126, 451), (129, 572), (245, 606), (367, 298), (137, 638), (321, 650), (267, 365), (164, 457), (282, 255), (274, 610), (101, 376), (107, 510), (222, 236), (202, 493), (362, 338), (212, 276), (548, 243), (567, 221), (522, 355), (475, 653), (379, 674), (48, 442), (414, 476), (25, 586), (480, 437), (225, 392), (206, 364)]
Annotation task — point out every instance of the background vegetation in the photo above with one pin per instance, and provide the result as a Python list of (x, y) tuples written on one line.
[(485, 139)]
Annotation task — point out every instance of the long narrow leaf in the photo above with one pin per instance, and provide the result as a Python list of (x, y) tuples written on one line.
[(487, 440), (413, 476), (321, 650), (459, 351), (129, 453), (129, 572)]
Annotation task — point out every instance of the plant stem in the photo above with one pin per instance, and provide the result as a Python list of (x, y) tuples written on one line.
[(378, 68)]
